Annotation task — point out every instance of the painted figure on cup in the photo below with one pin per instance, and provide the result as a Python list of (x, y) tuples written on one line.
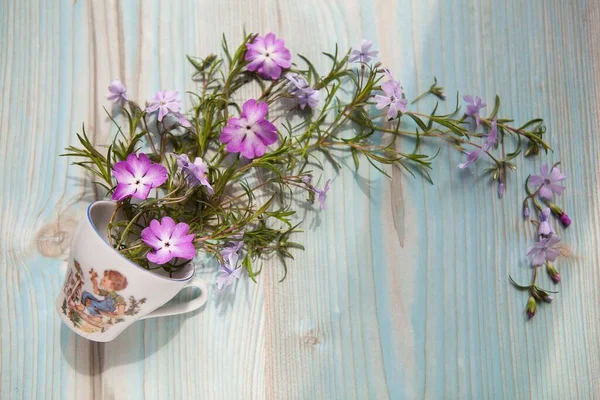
[(101, 308)]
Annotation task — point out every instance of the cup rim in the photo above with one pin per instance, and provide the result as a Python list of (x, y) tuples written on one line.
[(89, 217)]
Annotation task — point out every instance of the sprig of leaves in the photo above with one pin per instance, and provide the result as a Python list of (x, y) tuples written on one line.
[(258, 197)]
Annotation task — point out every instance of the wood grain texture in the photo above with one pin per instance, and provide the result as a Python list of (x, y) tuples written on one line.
[(403, 291)]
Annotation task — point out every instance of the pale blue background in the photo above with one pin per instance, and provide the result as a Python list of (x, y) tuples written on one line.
[(403, 291)]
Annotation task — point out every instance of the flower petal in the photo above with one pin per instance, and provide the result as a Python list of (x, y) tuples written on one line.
[(231, 132), (390, 88), (152, 107), (161, 256), (552, 254), (254, 111), (252, 147), (163, 232), (270, 69), (354, 56), (392, 112), (401, 105), (123, 173), (536, 180), (269, 39), (545, 192), (156, 175), (283, 58), (184, 250), (179, 234), (266, 132), (162, 111), (236, 144), (256, 63), (141, 191), (168, 224), (138, 164), (471, 158), (558, 189), (556, 175), (149, 237), (382, 101), (122, 191), (539, 258), (365, 45), (553, 240)]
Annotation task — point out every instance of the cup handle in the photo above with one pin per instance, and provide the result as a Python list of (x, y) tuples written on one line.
[(194, 304)]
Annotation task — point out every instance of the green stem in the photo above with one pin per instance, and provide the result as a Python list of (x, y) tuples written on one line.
[(419, 97)]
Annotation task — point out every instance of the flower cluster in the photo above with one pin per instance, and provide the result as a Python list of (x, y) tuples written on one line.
[(545, 250), (223, 176)]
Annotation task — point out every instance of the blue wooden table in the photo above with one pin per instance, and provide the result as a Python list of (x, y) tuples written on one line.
[(403, 291)]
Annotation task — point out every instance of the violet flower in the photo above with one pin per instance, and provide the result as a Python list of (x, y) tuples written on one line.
[(492, 136), (322, 194), (545, 228), (543, 250), (164, 101), (393, 99), (251, 133), (565, 220), (137, 176), (233, 248), (474, 105), (363, 55), (195, 172), (472, 156), (490, 141), (116, 92), (268, 56), (548, 181), (229, 272), (169, 240), (305, 94)]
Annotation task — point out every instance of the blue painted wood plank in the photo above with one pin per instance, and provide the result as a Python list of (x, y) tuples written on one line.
[(403, 291)]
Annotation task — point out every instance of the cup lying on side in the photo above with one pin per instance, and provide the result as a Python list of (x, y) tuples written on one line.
[(104, 292)]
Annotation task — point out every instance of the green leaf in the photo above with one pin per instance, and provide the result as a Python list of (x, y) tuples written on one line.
[(496, 107), (247, 263)]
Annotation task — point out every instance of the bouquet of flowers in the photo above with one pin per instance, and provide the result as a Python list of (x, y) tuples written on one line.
[(225, 177)]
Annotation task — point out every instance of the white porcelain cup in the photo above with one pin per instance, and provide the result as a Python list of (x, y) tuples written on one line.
[(104, 292)]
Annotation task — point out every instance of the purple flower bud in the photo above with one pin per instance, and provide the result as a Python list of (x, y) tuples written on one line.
[(526, 211), (565, 220), (548, 299), (501, 189), (307, 179), (531, 307), (554, 275)]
